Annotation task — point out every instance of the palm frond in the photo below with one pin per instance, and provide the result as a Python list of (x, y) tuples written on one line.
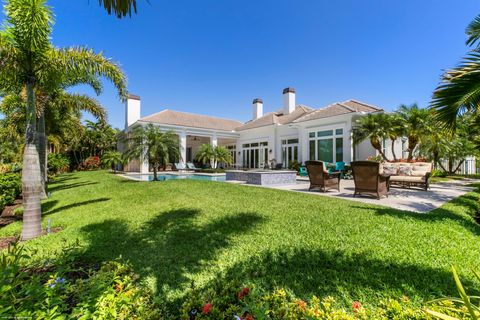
[(473, 32), (458, 92), (81, 102), (81, 61), (120, 8)]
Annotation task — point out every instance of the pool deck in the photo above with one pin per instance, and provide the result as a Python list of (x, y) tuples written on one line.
[(413, 199)]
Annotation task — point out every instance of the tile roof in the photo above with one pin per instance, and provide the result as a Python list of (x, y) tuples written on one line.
[(339, 108), (176, 118), (276, 117), (300, 114)]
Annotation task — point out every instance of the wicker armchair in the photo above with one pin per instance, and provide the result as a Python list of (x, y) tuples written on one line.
[(320, 178), (368, 180)]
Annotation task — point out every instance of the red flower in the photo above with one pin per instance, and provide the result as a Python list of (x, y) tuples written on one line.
[(356, 306), (248, 317), (207, 307), (302, 304), (242, 293)]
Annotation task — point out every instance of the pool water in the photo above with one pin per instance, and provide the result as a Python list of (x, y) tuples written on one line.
[(163, 177)]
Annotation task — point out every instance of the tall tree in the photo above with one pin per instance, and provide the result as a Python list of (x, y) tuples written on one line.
[(372, 127), (415, 122), (459, 88), (28, 60), (395, 128), (154, 145)]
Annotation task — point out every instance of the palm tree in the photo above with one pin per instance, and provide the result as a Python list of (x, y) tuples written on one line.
[(28, 60), (415, 120), (222, 155), (112, 159), (459, 88), (52, 111), (372, 127), (120, 8), (206, 154), (395, 128), (153, 144)]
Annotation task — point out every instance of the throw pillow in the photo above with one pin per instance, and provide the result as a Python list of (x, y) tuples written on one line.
[(390, 170), (405, 171)]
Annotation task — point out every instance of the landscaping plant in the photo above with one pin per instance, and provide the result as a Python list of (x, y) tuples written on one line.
[(67, 288)]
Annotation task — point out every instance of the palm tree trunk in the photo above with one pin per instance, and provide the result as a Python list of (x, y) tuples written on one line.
[(42, 153), (31, 176), (393, 150), (459, 165), (155, 178)]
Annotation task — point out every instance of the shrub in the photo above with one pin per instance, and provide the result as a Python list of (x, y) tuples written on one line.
[(64, 288), (375, 158), (57, 163), (10, 188), (439, 173), (294, 165), (10, 167), (91, 163), (464, 307), (239, 302)]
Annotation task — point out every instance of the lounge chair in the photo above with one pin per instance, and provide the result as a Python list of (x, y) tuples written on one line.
[(180, 166), (368, 179), (191, 166), (320, 178)]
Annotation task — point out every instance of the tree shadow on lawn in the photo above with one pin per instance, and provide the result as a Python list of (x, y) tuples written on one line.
[(345, 276), (170, 246), (49, 207), (61, 186)]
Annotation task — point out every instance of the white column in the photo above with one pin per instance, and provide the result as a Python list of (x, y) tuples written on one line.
[(214, 140), (144, 163), (303, 145), (183, 146)]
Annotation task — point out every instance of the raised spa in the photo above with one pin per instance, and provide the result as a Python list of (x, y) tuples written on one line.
[(263, 178)]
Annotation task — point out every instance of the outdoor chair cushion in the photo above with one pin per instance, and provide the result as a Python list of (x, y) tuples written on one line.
[(407, 178)]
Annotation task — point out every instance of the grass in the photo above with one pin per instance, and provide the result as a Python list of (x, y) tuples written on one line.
[(178, 231)]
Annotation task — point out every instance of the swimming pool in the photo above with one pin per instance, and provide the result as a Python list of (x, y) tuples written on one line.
[(163, 177)]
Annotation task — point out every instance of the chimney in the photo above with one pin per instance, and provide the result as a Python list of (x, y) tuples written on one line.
[(257, 108), (288, 100), (132, 110)]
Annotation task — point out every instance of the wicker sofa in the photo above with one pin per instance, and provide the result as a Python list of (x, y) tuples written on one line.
[(403, 174)]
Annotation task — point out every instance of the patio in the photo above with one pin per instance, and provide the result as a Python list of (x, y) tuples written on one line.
[(413, 199)]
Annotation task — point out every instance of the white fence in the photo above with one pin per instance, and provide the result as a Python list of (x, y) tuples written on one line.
[(469, 166)]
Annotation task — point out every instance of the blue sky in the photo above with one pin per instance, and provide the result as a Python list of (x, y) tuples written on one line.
[(215, 56)]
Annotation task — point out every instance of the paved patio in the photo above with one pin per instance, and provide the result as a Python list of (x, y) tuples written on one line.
[(413, 199)]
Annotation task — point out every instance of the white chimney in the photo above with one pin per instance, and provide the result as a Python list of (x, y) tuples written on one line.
[(132, 110), (257, 108), (288, 100)]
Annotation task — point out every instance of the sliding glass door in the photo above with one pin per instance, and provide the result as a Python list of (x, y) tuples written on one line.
[(255, 155), (289, 152)]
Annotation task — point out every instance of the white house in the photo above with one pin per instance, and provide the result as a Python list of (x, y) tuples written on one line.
[(294, 132)]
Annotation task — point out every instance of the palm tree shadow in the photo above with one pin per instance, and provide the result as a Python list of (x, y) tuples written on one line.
[(49, 206), (58, 187), (170, 246)]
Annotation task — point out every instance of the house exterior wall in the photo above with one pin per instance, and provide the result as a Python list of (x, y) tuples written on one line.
[(274, 134)]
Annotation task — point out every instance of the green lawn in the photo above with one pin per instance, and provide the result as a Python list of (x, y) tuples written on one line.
[(177, 231)]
